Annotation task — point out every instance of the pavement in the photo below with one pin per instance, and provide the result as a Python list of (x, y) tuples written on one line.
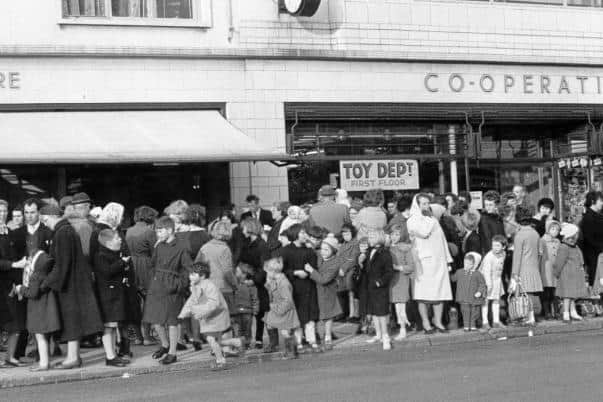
[(555, 367), (142, 364)]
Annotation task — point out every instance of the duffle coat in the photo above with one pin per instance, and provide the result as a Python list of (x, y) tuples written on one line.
[(569, 269), (207, 305), (110, 271), (325, 276), (379, 273), (282, 314)]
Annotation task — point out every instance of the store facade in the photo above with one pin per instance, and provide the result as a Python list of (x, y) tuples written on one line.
[(477, 105)]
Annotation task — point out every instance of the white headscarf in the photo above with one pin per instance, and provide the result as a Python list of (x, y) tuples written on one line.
[(569, 230), (415, 210), (112, 215), (293, 216), (342, 197)]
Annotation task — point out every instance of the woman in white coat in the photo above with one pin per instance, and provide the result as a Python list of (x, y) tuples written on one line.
[(431, 282)]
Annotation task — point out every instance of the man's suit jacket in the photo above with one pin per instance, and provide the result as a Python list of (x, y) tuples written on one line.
[(18, 242), (265, 217)]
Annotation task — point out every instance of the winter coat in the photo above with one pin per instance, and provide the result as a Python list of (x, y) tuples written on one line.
[(527, 252), (255, 253), (431, 280), (133, 313), (569, 269), (597, 285), (193, 240), (468, 283), (305, 295), (245, 300), (591, 228), (490, 225), (379, 273), (325, 276), (370, 218), (329, 215), (18, 238), (218, 255), (141, 241), (472, 242), (348, 257), (282, 314), (403, 255), (43, 315), (207, 304), (12, 311), (492, 269), (110, 271), (546, 267), (71, 279), (171, 264)]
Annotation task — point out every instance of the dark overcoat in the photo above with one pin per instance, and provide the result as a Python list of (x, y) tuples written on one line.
[(109, 272), (304, 290), (489, 226), (379, 273), (12, 315), (43, 316), (591, 228), (166, 296), (255, 253), (71, 279)]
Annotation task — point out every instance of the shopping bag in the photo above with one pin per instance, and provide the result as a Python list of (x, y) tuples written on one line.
[(519, 304)]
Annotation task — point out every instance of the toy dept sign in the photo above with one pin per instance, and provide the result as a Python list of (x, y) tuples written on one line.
[(513, 84), (383, 174)]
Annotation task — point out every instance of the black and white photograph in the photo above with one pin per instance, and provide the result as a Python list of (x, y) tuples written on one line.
[(294, 200)]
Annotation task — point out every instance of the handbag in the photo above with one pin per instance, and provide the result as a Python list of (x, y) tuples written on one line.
[(519, 304)]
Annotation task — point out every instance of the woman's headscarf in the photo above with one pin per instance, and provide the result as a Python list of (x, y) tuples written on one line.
[(294, 215), (112, 215), (415, 210)]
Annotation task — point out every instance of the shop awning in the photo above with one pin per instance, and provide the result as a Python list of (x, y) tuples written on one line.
[(126, 137)]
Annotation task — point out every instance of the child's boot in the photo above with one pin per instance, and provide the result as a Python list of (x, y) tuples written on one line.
[(124, 348), (290, 349)]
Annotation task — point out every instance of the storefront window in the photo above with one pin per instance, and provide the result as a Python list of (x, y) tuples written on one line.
[(129, 8), (585, 3)]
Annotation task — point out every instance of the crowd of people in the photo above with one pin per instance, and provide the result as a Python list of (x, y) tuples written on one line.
[(71, 274)]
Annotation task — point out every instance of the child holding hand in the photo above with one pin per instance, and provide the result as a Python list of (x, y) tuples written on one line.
[(207, 305), (470, 290)]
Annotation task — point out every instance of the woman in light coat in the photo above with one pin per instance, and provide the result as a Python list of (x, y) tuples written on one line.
[(431, 281)]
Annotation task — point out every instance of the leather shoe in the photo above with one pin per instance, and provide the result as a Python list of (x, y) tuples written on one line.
[(441, 330), (159, 353), (69, 366), (181, 347), (169, 359), (429, 331), (115, 362)]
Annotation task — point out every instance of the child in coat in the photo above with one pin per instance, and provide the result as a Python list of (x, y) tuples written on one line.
[(403, 260), (569, 270), (43, 316), (492, 269), (109, 270), (246, 303), (326, 286), (207, 305), (549, 282), (470, 290), (282, 314)]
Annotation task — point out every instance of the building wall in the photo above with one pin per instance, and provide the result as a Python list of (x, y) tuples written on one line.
[(350, 51)]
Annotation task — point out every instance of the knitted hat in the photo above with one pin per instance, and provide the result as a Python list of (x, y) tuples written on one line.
[(332, 241), (569, 230)]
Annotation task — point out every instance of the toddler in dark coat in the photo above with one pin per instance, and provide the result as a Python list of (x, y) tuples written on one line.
[(43, 317), (110, 269), (470, 290), (245, 303)]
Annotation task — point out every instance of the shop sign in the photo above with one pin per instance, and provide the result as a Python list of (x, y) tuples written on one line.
[(10, 80), (394, 174), (477, 199), (541, 84)]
